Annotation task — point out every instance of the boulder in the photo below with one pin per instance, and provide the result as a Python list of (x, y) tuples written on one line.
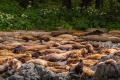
[(30, 71), (107, 71)]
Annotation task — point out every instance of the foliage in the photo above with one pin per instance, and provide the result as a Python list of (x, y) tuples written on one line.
[(50, 15)]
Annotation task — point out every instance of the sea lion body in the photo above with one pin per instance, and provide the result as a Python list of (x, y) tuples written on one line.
[(45, 63), (79, 67), (57, 57), (4, 68)]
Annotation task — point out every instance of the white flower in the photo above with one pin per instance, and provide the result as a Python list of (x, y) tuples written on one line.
[(11, 24), (55, 12), (30, 1), (1, 16), (29, 6), (116, 10), (22, 15), (104, 13)]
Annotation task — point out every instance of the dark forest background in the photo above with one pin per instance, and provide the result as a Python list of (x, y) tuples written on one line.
[(51, 14)]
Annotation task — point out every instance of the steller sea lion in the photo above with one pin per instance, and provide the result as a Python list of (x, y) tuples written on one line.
[(90, 48), (95, 56), (14, 63), (4, 68), (18, 49), (87, 73), (65, 47), (79, 67), (45, 63), (57, 57)]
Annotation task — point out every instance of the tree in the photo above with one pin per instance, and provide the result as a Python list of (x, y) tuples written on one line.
[(98, 4), (67, 4), (85, 4)]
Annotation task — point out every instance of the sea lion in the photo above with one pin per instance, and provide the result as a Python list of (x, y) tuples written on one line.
[(14, 64), (34, 53), (45, 63), (90, 48), (63, 42), (87, 73), (50, 44), (95, 56), (79, 53), (95, 32), (36, 47), (54, 51), (27, 38), (79, 67), (77, 46), (4, 68), (65, 47), (54, 57), (54, 69), (18, 49)]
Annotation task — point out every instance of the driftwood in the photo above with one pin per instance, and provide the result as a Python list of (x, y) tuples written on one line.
[(101, 38)]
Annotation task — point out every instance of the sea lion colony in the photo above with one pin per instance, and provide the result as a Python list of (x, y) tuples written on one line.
[(62, 53)]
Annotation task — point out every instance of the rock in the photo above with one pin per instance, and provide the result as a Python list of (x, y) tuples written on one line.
[(100, 29), (16, 77), (107, 71), (56, 33), (30, 71)]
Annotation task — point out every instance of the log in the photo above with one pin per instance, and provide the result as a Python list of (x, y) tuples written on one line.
[(101, 38)]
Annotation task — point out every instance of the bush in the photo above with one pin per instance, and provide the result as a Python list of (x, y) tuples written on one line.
[(50, 15)]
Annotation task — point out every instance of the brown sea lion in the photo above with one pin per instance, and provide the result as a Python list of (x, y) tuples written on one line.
[(95, 56), (90, 48), (77, 46), (45, 63), (65, 47), (67, 36), (79, 53), (87, 73), (54, 57), (27, 37), (79, 67), (54, 69), (45, 37), (36, 47), (4, 68), (52, 44), (63, 42), (18, 49), (14, 64), (54, 51)]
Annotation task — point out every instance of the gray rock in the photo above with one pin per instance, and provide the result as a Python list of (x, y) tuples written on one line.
[(30, 71), (107, 71)]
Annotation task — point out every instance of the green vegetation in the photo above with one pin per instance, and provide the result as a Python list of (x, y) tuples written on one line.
[(50, 15)]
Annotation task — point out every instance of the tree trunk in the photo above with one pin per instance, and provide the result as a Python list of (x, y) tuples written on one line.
[(119, 1), (85, 4), (98, 4), (67, 4)]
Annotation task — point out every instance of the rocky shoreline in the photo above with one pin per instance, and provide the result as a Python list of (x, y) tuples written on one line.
[(31, 45)]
